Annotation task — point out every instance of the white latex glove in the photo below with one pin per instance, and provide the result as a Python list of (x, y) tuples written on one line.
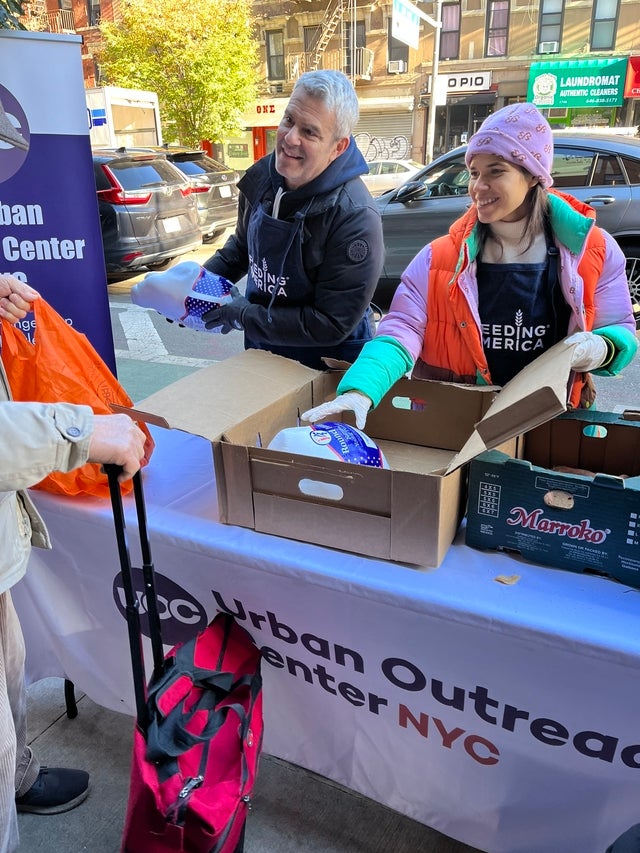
[(183, 293), (352, 401), (589, 353)]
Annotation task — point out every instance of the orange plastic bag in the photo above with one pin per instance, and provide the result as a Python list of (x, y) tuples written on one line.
[(61, 366)]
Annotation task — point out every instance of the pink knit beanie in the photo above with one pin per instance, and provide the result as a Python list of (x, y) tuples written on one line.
[(520, 134)]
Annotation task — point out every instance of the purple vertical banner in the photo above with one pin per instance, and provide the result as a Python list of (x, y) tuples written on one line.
[(49, 224)]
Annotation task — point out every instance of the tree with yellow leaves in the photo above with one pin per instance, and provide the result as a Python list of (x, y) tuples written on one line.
[(200, 58)]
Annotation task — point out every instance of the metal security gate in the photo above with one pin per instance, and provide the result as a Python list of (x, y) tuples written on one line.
[(385, 135)]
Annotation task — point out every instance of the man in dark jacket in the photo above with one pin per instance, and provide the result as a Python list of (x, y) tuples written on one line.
[(308, 237)]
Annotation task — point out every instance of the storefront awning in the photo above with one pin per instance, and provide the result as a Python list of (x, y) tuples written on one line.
[(578, 83), (632, 83), (264, 113)]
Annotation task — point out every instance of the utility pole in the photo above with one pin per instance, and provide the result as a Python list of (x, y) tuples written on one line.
[(431, 126), (436, 23)]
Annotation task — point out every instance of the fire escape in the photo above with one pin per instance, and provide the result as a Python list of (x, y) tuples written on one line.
[(333, 17), (358, 63)]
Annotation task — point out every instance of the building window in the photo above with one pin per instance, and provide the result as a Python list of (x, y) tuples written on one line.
[(604, 24), (550, 32), (93, 12), (497, 27), (275, 54), (311, 37), (398, 51), (450, 33)]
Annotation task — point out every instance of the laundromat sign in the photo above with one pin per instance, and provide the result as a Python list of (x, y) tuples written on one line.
[(578, 83)]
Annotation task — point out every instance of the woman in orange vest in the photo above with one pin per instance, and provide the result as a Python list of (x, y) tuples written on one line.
[(523, 269)]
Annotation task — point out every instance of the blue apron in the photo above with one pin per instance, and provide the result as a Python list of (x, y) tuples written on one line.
[(522, 314), (276, 274)]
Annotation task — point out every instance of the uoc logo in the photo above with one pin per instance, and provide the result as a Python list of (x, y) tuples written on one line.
[(181, 616)]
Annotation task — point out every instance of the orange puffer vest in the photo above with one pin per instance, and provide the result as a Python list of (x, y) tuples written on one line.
[(452, 349)]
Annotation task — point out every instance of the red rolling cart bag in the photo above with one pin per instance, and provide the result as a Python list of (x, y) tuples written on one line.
[(198, 728)]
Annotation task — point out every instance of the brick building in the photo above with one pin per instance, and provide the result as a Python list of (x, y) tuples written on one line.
[(489, 54)]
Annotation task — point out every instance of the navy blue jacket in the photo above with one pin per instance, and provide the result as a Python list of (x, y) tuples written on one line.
[(341, 247)]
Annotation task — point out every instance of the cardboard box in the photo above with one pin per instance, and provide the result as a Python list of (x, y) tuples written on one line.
[(410, 513), (567, 520)]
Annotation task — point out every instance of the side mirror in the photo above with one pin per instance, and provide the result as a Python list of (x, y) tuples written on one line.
[(409, 191)]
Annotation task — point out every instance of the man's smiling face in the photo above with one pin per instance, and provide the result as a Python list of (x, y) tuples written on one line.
[(305, 141)]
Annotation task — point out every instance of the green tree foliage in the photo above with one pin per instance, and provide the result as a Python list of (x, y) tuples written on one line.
[(199, 57), (10, 11)]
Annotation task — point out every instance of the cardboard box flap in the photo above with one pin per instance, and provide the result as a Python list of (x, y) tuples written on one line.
[(213, 400), (535, 395)]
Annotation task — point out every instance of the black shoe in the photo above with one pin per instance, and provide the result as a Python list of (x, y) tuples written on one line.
[(55, 790)]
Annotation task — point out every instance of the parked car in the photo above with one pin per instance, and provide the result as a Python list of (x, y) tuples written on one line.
[(387, 174), (148, 214), (214, 186), (601, 170)]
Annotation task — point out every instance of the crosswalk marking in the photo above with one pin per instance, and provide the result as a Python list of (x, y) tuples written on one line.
[(143, 341), (142, 338), (180, 360)]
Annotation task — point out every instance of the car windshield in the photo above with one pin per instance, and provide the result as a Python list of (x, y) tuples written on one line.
[(452, 178)]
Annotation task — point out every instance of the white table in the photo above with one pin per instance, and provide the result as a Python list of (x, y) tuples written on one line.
[(452, 698)]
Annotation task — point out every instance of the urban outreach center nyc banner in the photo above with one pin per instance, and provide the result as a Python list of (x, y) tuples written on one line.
[(49, 224)]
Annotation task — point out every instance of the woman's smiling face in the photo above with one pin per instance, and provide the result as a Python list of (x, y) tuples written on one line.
[(498, 188)]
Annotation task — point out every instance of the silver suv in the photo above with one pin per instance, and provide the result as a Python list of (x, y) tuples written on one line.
[(600, 169), (148, 214)]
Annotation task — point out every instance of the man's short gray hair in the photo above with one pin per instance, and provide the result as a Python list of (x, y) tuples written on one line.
[(337, 91)]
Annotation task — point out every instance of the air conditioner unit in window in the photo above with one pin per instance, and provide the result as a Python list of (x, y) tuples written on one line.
[(549, 47), (396, 66)]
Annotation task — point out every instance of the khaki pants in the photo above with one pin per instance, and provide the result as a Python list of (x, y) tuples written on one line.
[(16, 775)]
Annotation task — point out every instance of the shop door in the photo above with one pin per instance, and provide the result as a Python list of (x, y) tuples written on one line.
[(457, 123), (264, 141)]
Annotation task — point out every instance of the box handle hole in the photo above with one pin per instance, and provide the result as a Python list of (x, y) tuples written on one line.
[(408, 403), (320, 489), (594, 431)]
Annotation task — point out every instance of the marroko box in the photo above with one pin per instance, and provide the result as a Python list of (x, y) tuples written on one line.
[(560, 518), (410, 513)]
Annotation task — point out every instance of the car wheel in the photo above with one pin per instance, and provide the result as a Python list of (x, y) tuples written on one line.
[(160, 265), (633, 277)]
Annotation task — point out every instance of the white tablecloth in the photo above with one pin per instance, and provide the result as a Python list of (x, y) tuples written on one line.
[(505, 716)]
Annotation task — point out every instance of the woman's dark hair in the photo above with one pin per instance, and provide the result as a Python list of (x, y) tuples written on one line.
[(537, 218)]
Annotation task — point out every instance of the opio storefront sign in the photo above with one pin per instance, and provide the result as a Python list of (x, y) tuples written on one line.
[(578, 83), (464, 82), (49, 224)]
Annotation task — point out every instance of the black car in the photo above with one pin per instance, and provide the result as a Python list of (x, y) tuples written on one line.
[(213, 184), (600, 169), (148, 214)]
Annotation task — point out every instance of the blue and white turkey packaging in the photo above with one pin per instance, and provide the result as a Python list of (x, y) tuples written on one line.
[(571, 502), (330, 440), (427, 431), (183, 294)]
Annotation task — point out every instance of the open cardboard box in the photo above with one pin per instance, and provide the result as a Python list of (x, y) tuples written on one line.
[(572, 501), (408, 514)]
